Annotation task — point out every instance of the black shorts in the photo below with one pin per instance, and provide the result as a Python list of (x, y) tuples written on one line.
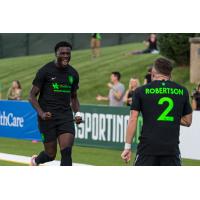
[(161, 160), (51, 129)]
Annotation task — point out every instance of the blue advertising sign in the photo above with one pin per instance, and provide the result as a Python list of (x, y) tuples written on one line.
[(18, 120)]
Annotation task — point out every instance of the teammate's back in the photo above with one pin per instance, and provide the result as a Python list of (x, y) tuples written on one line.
[(165, 106), (162, 104)]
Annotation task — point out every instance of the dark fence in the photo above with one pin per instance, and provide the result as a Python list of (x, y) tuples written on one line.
[(21, 44)]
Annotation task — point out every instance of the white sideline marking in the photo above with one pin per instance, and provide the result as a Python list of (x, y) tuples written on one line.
[(26, 160)]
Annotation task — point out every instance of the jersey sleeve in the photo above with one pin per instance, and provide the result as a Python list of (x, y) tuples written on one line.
[(39, 79), (187, 107), (136, 102), (75, 85)]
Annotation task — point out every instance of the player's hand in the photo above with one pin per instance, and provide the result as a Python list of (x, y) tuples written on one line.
[(46, 115), (78, 120), (126, 155)]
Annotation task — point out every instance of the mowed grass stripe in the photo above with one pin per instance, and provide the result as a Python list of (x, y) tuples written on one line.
[(85, 155)]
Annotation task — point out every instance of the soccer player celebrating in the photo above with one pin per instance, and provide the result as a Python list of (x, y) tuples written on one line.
[(56, 83), (165, 106)]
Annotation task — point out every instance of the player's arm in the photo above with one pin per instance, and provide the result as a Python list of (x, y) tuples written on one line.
[(75, 102), (76, 107), (186, 120), (34, 102), (130, 133), (132, 124)]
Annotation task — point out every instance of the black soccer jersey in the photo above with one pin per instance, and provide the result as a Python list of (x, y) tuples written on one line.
[(56, 85), (162, 104)]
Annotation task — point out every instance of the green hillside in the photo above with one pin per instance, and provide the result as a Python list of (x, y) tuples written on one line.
[(94, 74)]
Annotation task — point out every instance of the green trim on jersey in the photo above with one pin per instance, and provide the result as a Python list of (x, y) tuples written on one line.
[(65, 91), (71, 79), (42, 137), (62, 88)]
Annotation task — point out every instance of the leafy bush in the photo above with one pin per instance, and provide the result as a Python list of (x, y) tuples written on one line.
[(176, 46)]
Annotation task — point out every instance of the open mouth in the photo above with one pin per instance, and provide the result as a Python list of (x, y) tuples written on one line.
[(65, 61)]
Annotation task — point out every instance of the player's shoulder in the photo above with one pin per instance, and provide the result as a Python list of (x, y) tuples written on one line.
[(47, 66), (168, 83), (140, 89), (177, 85), (73, 70)]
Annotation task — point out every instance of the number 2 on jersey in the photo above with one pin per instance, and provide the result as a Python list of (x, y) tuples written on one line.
[(163, 116)]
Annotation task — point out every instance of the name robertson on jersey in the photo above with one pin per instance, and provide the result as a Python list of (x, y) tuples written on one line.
[(163, 90)]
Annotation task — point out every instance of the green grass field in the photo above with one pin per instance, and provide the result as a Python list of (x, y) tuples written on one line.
[(94, 75), (85, 155), (93, 156)]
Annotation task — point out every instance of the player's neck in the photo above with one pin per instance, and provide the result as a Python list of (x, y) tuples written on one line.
[(160, 77), (59, 66)]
